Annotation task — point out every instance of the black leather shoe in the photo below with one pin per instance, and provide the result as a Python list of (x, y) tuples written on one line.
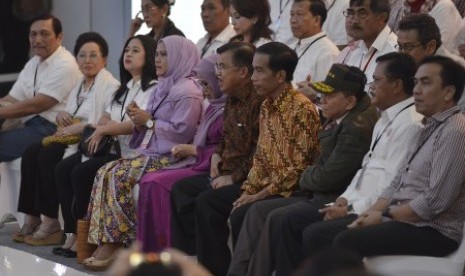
[(68, 253), (58, 250)]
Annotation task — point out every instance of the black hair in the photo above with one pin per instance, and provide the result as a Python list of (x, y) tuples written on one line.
[(91, 37), (56, 23), (376, 6), (161, 3), (425, 25), (452, 73), (400, 66), (254, 8), (242, 54), (317, 8), (281, 57), (148, 70)]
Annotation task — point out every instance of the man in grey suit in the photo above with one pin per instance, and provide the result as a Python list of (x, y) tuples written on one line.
[(344, 139)]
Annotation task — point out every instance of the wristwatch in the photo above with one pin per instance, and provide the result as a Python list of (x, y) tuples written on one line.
[(149, 124)]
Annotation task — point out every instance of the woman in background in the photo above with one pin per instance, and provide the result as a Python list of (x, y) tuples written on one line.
[(155, 14), (250, 20)]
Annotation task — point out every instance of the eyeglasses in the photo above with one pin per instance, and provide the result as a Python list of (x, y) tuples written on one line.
[(92, 56), (219, 68), (360, 14), (202, 83), (406, 47)]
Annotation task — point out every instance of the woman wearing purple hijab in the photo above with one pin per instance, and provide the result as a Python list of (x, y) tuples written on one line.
[(153, 207), (173, 112)]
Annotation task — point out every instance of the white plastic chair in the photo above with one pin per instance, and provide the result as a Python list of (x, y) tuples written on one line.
[(400, 265), (10, 177)]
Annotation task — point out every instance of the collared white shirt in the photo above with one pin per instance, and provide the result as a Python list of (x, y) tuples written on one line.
[(216, 42), (314, 59), (280, 13), (449, 21), (334, 25), (365, 59), (55, 77), (118, 111), (380, 165)]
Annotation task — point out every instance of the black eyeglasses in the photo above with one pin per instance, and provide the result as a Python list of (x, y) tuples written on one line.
[(407, 47), (360, 14)]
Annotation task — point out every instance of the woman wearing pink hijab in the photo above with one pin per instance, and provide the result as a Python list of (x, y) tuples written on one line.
[(173, 112), (153, 209)]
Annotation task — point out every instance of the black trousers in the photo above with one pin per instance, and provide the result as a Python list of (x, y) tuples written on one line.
[(183, 196), (255, 228), (395, 238), (212, 211), (287, 233), (74, 184), (38, 193), (320, 235)]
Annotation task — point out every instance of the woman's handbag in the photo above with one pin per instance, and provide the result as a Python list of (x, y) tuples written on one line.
[(103, 148), (65, 139)]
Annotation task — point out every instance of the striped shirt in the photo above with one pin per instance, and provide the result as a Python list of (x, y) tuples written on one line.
[(431, 178), (287, 144)]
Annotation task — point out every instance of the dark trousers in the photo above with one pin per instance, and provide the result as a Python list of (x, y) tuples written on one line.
[(212, 211), (38, 193), (287, 233), (320, 235), (396, 238), (14, 142), (255, 228), (74, 184), (183, 196)]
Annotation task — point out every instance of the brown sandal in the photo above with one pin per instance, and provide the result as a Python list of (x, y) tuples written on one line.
[(26, 230), (40, 238)]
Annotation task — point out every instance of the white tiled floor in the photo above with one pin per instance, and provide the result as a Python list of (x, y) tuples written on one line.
[(15, 263)]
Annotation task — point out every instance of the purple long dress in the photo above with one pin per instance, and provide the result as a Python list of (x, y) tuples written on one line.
[(154, 206)]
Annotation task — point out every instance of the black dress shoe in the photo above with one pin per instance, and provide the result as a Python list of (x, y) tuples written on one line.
[(58, 250), (68, 253)]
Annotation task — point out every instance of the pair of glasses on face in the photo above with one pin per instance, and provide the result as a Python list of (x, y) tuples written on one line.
[(360, 14), (220, 68), (407, 47), (145, 9)]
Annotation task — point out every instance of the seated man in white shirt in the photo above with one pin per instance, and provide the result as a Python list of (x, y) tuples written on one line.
[(316, 52), (40, 90), (215, 19)]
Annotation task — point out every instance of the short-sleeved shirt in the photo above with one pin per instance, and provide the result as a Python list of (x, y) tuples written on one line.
[(316, 55), (206, 49), (55, 77), (117, 111)]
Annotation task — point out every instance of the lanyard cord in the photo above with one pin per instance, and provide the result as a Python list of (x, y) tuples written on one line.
[(310, 45)]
